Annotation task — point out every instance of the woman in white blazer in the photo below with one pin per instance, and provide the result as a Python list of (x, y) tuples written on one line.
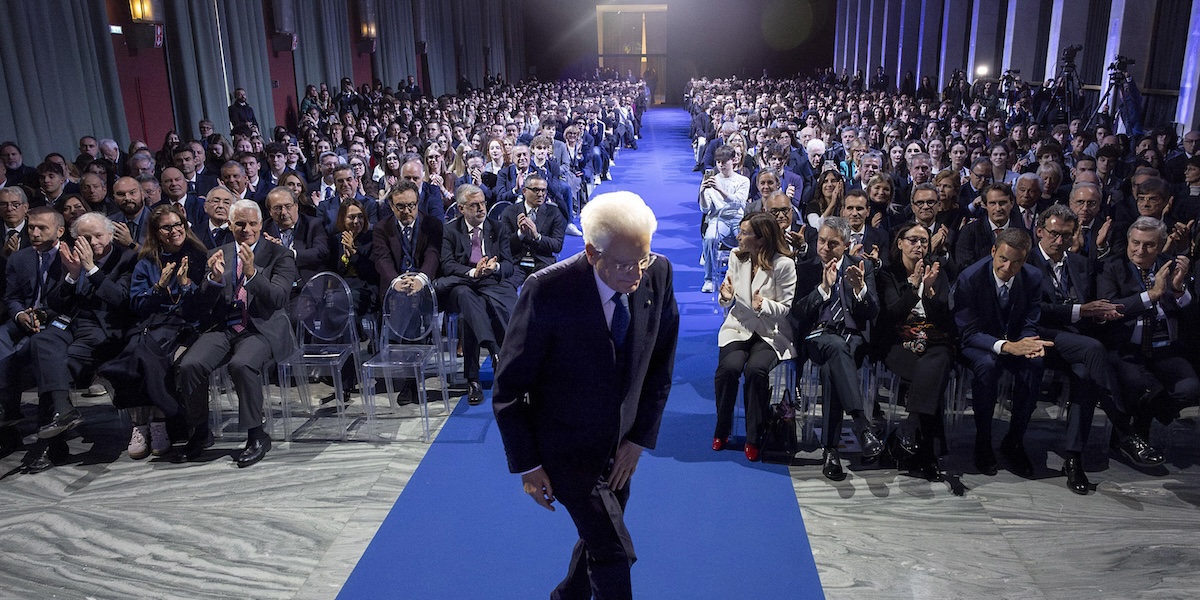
[(756, 335)]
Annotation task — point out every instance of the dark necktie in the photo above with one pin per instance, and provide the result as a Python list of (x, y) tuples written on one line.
[(43, 268), (476, 245), (406, 242), (240, 297), (1151, 319), (1004, 296), (1064, 281), (286, 237), (620, 320), (533, 215), (216, 237), (133, 230), (12, 233), (328, 194)]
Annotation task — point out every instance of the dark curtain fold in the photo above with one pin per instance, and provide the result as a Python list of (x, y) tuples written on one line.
[(494, 37), (195, 66), (438, 21), (245, 40), (54, 93), (514, 40), (395, 55), (470, 40), (323, 51)]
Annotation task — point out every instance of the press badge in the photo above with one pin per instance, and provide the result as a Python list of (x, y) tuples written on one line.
[(61, 322)]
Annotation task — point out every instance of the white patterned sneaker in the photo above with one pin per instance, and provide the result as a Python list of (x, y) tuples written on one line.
[(137, 442), (160, 442)]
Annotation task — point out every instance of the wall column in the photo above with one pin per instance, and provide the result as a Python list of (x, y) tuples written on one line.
[(1068, 27), (1189, 82), (1020, 40), (954, 40), (910, 37), (985, 25), (930, 36)]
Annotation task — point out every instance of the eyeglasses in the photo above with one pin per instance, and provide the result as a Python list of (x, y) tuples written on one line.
[(169, 227), (11, 205), (781, 212), (641, 265), (405, 206), (924, 202), (537, 191), (916, 240), (473, 205), (1058, 235), (279, 208)]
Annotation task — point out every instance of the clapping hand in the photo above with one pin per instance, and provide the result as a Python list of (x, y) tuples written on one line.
[(183, 273), (12, 244), (829, 276), (726, 290), (854, 277), (348, 243), (216, 266), (486, 266), (246, 255), (757, 300), (1102, 235), (70, 260), (121, 234)]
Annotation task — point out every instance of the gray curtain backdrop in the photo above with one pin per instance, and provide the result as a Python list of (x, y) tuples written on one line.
[(514, 40), (194, 66), (54, 93), (395, 55), (469, 40), (244, 33), (438, 19), (493, 24), (323, 50)]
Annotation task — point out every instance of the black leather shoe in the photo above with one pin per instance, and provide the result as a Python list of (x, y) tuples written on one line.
[(474, 393), (985, 458), (1077, 480), (201, 438), (832, 467), (255, 450), (61, 422), (52, 454), (927, 468), (1018, 461), (1138, 451), (871, 446), (904, 445)]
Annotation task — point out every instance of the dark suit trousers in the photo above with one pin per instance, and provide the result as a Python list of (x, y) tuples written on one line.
[(1085, 362), (837, 357), (52, 349), (986, 367), (1151, 386), (604, 553), (14, 353), (755, 358), (246, 353), (924, 373), (481, 326)]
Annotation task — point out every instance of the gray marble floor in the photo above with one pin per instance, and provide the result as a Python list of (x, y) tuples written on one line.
[(294, 526)]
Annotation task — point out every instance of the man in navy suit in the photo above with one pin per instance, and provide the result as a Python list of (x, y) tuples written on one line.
[(474, 176), (299, 234), (575, 434), (477, 280), (32, 275), (977, 238), (834, 320), (1070, 317), (997, 307), (345, 182), (175, 191), (534, 232), (93, 322), (1027, 194), (213, 229), (246, 290), (865, 240)]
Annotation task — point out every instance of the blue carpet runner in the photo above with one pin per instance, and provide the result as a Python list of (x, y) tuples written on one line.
[(705, 525)]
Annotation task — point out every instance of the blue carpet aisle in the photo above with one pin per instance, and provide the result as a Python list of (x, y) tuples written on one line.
[(705, 525)]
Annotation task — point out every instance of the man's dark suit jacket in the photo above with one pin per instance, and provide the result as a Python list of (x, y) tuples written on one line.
[(310, 243), (549, 224), (1119, 283), (267, 294), (977, 311), (141, 220), (559, 352), (456, 258), (107, 302), (431, 202), (193, 208), (200, 228), (489, 194), (387, 250), (806, 310), (20, 281), (1019, 218), (1057, 305), (975, 241), (875, 237), (507, 178), (328, 211)]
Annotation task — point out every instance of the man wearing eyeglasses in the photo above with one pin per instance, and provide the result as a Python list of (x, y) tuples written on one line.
[(477, 281), (299, 234), (975, 239), (1071, 316), (533, 230), (970, 196), (406, 248), (575, 435), (213, 230), (345, 184)]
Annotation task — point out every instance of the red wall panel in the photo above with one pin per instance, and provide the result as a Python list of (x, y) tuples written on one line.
[(283, 79), (145, 88)]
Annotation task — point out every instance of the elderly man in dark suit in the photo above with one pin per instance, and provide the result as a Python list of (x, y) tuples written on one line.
[(213, 230), (247, 287), (432, 203), (477, 279), (32, 276), (301, 235), (93, 320), (406, 248), (175, 191), (1144, 343), (997, 308), (1070, 317), (534, 232), (575, 434), (834, 319), (977, 238)]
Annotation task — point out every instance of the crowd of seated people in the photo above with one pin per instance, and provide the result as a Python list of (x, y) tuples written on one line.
[(146, 271), (933, 231)]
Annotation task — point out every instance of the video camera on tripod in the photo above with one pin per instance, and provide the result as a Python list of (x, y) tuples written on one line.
[(1117, 70)]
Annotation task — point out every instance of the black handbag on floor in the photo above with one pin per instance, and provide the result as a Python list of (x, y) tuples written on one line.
[(779, 434)]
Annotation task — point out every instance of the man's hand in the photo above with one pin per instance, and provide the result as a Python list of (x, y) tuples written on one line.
[(271, 238), (11, 245), (791, 191), (1161, 280), (121, 234), (1102, 310), (939, 238), (854, 277), (216, 266), (829, 276), (1030, 347), (1182, 268), (486, 266), (1102, 235), (537, 485), (624, 464), (28, 319), (70, 260), (409, 284), (246, 255), (527, 226)]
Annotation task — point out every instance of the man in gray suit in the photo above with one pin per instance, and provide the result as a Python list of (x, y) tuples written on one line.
[(247, 287)]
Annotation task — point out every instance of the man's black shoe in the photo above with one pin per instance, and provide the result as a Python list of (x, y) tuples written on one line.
[(832, 465), (871, 446), (256, 449), (1018, 461), (1077, 480), (200, 439), (49, 455), (985, 458), (1137, 451), (61, 422), (474, 393)]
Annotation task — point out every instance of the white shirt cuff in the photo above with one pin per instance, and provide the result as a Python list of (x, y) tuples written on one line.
[(997, 346)]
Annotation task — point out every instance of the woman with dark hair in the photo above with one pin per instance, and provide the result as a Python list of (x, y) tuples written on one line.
[(219, 152), (351, 249), (391, 172), (71, 206), (917, 335), (164, 292), (826, 199), (304, 201), (310, 99), (756, 334), (165, 157)]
